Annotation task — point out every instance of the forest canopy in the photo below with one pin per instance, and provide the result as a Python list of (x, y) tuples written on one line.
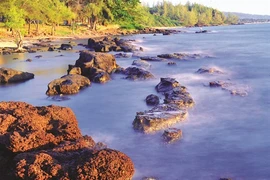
[(128, 14)]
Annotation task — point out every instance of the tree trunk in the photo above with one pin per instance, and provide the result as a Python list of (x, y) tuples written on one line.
[(29, 27), (19, 40), (53, 30)]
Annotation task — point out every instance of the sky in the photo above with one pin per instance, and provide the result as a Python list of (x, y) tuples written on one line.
[(260, 7)]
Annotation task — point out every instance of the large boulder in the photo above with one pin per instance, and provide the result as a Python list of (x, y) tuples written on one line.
[(68, 84), (135, 73), (24, 127), (8, 75), (95, 66), (84, 164), (160, 117), (46, 143)]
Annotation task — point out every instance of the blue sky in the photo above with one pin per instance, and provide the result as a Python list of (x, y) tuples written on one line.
[(261, 7)]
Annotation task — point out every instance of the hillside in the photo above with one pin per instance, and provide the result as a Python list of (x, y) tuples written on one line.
[(248, 16)]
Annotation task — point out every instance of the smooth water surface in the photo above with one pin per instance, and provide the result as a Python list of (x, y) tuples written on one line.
[(224, 135)]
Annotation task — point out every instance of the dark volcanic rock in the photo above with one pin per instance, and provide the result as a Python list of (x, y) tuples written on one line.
[(135, 73), (152, 100), (68, 84), (160, 117), (46, 143), (66, 47), (172, 134), (173, 110), (179, 96), (8, 75), (108, 44), (95, 66), (101, 61), (167, 84)]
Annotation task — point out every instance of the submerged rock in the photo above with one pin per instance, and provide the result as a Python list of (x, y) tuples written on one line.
[(122, 55), (160, 117), (152, 100), (172, 134), (235, 90), (142, 64), (68, 84), (66, 47), (171, 63), (180, 56), (8, 75), (149, 58), (135, 73), (209, 71), (46, 143)]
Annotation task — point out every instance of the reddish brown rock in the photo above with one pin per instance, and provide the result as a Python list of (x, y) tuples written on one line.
[(46, 143), (24, 127)]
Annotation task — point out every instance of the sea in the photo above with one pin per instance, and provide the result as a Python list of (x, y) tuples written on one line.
[(224, 135)]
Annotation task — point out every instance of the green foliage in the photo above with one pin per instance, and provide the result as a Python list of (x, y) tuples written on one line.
[(186, 15), (232, 19)]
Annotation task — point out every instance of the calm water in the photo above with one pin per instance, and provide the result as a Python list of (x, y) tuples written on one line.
[(224, 135)]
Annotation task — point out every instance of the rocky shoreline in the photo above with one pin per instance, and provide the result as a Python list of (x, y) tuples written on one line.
[(46, 143)]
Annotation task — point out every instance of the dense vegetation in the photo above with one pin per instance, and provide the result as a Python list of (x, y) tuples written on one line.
[(129, 14)]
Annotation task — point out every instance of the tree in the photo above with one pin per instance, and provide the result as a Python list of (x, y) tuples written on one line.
[(232, 19), (15, 21)]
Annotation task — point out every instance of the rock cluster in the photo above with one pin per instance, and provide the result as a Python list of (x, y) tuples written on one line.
[(95, 66), (107, 44), (173, 110), (46, 143), (90, 67), (8, 75)]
